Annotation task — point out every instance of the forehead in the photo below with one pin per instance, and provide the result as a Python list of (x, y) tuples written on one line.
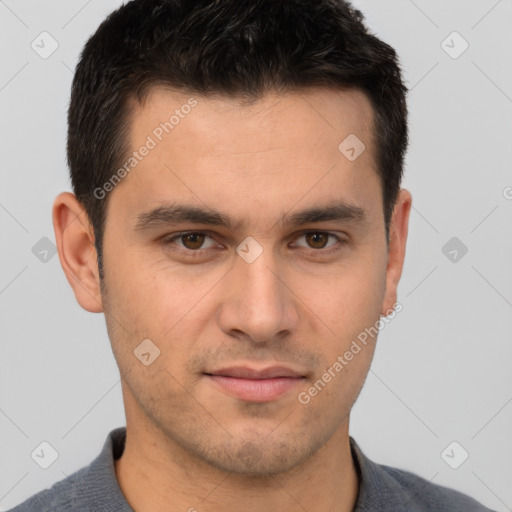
[(253, 158), (313, 110)]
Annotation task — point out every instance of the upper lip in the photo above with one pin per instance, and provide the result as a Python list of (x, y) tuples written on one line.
[(246, 372)]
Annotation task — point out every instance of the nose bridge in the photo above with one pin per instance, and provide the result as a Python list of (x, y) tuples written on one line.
[(259, 283), (259, 304)]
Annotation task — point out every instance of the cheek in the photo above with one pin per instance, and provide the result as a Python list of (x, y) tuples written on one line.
[(147, 293), (156, 300), (348, 299), (144, 308), (351, 311)]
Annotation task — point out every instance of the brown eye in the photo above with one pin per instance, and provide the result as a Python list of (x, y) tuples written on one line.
[(317, 240), (321, 242), (193, 241), (189, 242)]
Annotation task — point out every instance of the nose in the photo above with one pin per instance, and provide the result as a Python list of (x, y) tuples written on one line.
[(258, 304)]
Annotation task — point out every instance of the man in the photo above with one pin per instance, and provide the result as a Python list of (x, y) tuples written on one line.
[(238, 217)]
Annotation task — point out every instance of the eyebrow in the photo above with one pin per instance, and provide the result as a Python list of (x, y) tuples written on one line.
[(176, 213)]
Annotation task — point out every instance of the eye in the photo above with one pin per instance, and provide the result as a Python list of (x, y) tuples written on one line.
[(319, 240), (190, 240)]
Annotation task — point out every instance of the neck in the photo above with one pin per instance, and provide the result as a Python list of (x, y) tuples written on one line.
[(161, 475)]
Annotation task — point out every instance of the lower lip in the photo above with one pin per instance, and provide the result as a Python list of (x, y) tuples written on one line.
[(253, 390)]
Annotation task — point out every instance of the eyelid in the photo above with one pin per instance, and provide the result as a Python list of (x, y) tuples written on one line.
[(170, 239), (339, 240)]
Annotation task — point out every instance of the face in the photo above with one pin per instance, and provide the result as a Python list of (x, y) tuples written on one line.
[(252, 253)]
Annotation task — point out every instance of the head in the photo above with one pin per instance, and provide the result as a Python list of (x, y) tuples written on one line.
[(282, 121)]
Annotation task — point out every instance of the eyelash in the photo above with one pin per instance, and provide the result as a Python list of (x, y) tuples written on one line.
[(199, 252)]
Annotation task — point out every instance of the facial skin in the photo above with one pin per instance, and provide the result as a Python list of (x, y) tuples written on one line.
[(299, 305)]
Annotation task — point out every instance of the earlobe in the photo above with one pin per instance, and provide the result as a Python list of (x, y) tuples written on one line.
[(398, 230), (75, 243)]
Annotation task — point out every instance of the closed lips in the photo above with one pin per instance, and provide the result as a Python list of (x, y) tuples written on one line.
[(253, 374)]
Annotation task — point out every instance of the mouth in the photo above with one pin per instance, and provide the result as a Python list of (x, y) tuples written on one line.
[(256, 385)]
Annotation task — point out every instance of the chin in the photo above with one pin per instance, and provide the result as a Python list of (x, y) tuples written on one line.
[(258, 458)]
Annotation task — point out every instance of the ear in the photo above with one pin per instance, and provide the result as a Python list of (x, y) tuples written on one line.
[(75, 242), (398, 228)]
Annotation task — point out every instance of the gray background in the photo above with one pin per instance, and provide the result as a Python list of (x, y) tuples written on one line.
[(442, 369)]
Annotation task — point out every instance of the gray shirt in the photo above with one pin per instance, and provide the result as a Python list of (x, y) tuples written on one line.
[(381, 488)]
